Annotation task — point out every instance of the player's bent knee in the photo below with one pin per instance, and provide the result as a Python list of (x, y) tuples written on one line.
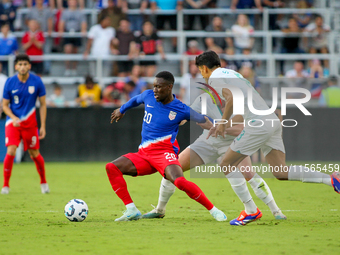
[(11, 150), (34, 153)]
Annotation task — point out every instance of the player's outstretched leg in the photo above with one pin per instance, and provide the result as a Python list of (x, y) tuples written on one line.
[(166, 190), (175, 174), (260, 187), (115, 172), (8, 166), (40, 165), (298, 173)]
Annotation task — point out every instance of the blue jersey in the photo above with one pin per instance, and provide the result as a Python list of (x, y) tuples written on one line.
[(161, 121), (23, 97)]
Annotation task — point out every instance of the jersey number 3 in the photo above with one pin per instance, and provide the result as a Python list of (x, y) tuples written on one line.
[(147, 117)]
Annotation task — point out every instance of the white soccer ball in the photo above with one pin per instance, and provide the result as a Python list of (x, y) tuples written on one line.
[(76, 210)]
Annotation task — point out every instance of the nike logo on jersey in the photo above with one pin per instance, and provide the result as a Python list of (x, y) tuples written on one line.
[(14, 91), (149, 106)]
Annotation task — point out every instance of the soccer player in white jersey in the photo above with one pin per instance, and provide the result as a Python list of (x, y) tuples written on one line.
[(206, 151), (264, 135)]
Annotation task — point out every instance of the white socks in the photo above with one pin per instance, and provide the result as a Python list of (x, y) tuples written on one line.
[(131, 205), (165, 192), (239, 185), (304, 174), (263, 192)]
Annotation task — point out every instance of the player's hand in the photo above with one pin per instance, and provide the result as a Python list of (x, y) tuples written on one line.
[(207, 124), (42, 133), (16, 122), (116, 115), (216, 131)]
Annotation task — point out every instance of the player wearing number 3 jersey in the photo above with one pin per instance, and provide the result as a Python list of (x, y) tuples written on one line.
[(159, 149), (20, 95)]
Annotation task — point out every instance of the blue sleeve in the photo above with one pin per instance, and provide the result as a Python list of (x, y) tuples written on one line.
[(133, 102), (195, 116), (6, 94), (15, 45), (41, 88)]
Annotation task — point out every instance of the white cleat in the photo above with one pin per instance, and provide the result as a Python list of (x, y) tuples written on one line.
[(130, 214), (219, 215), (279, 215), (44, 188), (5, 190)]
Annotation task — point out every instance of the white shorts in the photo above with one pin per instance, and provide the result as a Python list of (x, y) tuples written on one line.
[(265, 138), (211, 149)]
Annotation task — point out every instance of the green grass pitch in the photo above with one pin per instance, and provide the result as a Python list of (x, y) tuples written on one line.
[(33, 223)]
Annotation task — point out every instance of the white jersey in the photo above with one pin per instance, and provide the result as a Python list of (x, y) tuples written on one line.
[(214, 113), (222, 77)]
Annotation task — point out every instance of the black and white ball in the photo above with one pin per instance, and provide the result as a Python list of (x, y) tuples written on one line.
[(76, 210)]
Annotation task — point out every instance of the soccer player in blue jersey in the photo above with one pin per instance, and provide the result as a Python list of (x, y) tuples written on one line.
[(159, 149), (20, 95)]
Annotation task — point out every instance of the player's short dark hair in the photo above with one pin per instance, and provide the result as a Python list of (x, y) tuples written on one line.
[(209, 59), (5, 24), (131, 83), (22, 57), (102, 17), (167, 76)]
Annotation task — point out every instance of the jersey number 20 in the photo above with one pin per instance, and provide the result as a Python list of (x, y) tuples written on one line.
[(147, 117)]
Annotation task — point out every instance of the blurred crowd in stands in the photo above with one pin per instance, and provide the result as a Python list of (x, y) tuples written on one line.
[(120, 33)]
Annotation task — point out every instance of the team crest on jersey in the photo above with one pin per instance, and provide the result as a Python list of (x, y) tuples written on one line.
[(31, 89), (172, 115)]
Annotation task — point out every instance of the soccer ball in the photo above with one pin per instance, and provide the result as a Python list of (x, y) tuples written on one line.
[(76, 210)]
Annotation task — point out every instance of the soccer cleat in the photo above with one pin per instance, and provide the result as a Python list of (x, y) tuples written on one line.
[(245, 218), (130, 214), (335, 178), (153, 214), (5, 190), (44, 188), (219, 215), (279, 215)]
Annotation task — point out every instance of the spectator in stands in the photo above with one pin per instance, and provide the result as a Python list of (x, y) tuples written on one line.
[(100, 43), (319, 42), (57, 99), (112, 94), (242, 31), (3, 79), (136, 20), (273, 4), (72, 21), (298, 71), (8, 45), (172, 19), (141, 84), (188, 85), (89, 94), (291, 41), (193, 48), (63, 4), (317, 71), (217, 44), (189, 19), (46, 3), (114, 12), (102, 4), (297, 78), (32, 43), (302, 19), (147, 44), (249, 74), (330, 97), (230, 64), (125, 42), (247, 4), (7, 13), (248, 61), (44, 16)]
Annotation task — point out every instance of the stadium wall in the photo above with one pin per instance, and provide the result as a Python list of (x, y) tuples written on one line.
[(75, 134)]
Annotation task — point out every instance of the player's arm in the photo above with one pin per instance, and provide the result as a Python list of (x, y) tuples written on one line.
[(9, 113), (228, 111), (235, 130), (119, 113), (43, 113)]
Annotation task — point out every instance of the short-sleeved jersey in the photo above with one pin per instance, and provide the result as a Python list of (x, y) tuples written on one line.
[(148, 44), (23, 97), (161, 121), (222, 77)]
